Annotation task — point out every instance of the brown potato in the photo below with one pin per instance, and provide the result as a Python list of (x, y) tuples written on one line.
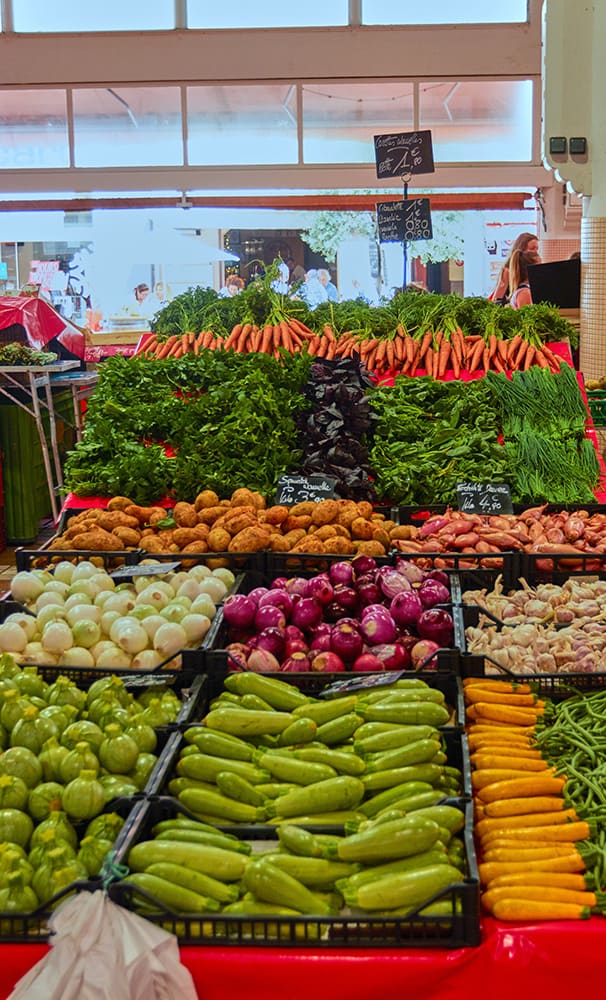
[(311, 543), (159, 514), (185, 514), (218, 540), (119, 503), (339, 530), (207, 498), (250, 540), (294, 521), (367, 548), (247, 498), (361, 528), (201, 532), (304, 509), (152, 543), (364, 509), (145, 514), (279, 543), (128, 536), (382, 536), (377, 517), (199, 546), (235, 521), (339, 546), (183, 536), (292, 537), (111, 519), (405, 531), (99, 540), (326, 531), (325, 512), (347, 516), (208, 515), (277, 514)]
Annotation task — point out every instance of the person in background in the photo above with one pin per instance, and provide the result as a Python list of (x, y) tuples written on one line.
[(331, 289), (162, 294), (525, 242), (519, 287), (312, 291), (141, 292), (280, 285), (233, 285)]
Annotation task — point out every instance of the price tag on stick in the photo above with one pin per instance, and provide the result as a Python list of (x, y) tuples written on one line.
[(417, 220), (484, 498), (298, 489), (400, 154)]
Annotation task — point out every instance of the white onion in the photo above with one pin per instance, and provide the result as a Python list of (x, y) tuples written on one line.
[(111, 659), (153, 595), (51, 613), (216, 589), (103, 581), (78, 598), (174, 612), (176, 579), (132, 638), (184, 601), (102, 597), (83, 612), (152, 624), (147, 659), (166, 587), (83, 586), (76, 657), (191, 588), (27, 622), (57, 637), (226, 575), (107, 620), (34, 653), (169, 639), (199, 572), (84, 570), (86, 633), (125, 620), (45, 599), (121, 601), (64, 571), (25, 587), (57, 587), (204, 605), (141, 611), (196, 627), (13, 639)]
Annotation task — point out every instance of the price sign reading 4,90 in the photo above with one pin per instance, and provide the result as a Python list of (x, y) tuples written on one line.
[(484, 498)]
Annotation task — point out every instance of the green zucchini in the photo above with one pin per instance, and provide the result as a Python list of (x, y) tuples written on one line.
[(448, 816), (315, 873), (174, 897), (281, 696), (205, 885), (388, 796), (392, 738), (235, 787), (420, 752), (273, 789), (334, 794), (225, 865), (243, 722), (336, 818), (410, 683), (341, 760), (218, 744), (399, 775), (434, 856), (203, 767), (339, 730), (403, 889), (220, 805), (398, 839), (176, 785), (300, 731), (325, 711), (252, 702), (272, 885), (301, 772), (304, 843), (187, 835), (184, 823), (425, 713), (249, 907)]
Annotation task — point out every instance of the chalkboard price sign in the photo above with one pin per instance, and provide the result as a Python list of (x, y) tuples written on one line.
[(403, 153), (361, 682), (298, 489), (417, 220), (145, 569), (484, 498), (390, 220)]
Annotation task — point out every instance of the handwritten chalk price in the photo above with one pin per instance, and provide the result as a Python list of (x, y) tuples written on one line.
[(484, 498)]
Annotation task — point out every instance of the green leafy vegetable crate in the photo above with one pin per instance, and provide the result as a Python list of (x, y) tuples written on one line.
[(597, 406)]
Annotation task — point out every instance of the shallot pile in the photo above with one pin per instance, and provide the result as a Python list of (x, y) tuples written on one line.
[(357, 616), (576, 601), (534, 649)]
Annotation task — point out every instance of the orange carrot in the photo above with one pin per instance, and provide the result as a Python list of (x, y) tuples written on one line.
[(235, 333), (530, 356), (426, 342), (267, 340), (166, 347), (328, 331), (429, 360), (444, 355), (476, 356)]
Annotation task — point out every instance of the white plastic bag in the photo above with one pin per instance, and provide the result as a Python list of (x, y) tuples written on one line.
[(101, 951)]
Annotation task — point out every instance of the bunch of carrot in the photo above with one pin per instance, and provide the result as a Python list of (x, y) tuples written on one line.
[(245, 338), (534, 849)]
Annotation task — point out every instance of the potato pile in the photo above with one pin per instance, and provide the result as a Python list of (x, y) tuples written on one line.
[(244, 523)]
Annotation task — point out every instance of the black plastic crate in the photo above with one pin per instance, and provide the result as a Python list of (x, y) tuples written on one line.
[(43, 558), (350, 930), (20, 928), (554, 568), (546, 685)]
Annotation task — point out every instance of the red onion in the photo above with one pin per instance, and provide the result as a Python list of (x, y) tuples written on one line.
[(306, 612), (292, 632), (391, 582), (296, 585), (433, 592), (295, 664), (437, 625), (280, 598), (237, 655), (368, 590), (375, 609), (295, 646), (271, 639), (257, 593), (368, 663), (363, 564), (412, 572), (327, 662), (321, 643), (340, 572), (439, 574), (269, 616), (377, 629), (279, 583), (239, 610), (393, 656), (346, 641), (422, 654), (322, 628), (406, 608), (320, 588), (262, 662), (345, 597)]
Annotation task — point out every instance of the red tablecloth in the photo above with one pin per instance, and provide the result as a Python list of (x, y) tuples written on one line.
[(41, 323), (560, 960)]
